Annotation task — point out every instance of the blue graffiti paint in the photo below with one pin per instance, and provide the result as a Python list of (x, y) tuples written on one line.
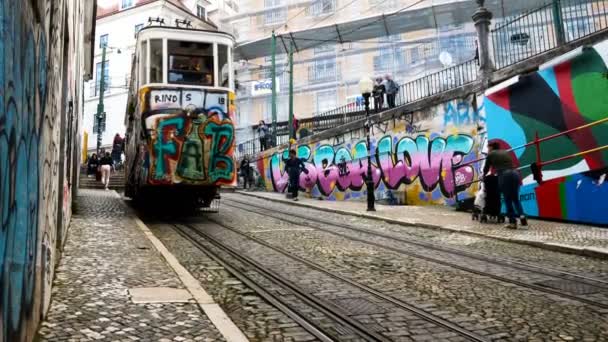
[(221, 165), (22, 104), (164, 149)]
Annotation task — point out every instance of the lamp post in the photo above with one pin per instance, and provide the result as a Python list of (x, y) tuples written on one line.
[(366, 86), (100, 116)]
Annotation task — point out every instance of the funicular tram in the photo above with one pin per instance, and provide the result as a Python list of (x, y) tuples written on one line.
[(180, 117)]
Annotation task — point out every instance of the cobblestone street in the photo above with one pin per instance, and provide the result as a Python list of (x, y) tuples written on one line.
[(105, 256), (296, 273)]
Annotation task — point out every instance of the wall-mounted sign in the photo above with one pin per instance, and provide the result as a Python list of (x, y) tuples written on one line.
[(263, 87)]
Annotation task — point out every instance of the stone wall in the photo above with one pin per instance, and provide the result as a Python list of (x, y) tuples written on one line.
[(41, 64), (559, 98), (412, 157)]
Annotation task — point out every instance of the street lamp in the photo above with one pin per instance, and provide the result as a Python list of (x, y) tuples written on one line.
[(366, 85), (101, 115)]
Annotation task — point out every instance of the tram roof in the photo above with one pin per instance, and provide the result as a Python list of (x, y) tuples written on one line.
[(426, 14), (189, 33)]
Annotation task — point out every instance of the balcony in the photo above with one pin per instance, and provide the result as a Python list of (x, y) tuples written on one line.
[(324, 72)]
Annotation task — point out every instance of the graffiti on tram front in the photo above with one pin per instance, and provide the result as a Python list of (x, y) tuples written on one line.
[(189, 142)]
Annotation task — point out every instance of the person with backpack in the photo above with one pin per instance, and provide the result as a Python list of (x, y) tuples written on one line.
[(509, 182), (391, 90), (378, 93), (293, 167)]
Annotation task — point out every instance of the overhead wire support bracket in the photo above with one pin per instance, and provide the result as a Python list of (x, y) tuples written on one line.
[(339, 35), (385, 25), (284, 45), (293, 41)]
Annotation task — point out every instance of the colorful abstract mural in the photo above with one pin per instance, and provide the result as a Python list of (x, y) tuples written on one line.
[(189, 137), (556, 99), (416, 157)]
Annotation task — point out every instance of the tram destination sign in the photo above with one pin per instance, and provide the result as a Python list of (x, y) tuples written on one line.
[(184, 98)]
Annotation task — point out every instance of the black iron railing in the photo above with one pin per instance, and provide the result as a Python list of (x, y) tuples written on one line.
[(409, 92), (546, 28)]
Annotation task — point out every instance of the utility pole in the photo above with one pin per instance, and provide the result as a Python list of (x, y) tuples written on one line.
[(273, 75), (292, 133), (100, 117)]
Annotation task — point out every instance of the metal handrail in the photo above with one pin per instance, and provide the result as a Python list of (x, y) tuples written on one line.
[(539, 163)]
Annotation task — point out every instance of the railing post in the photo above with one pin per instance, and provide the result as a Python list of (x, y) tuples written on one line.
[(537, 144), (558, 22), (482, 19)]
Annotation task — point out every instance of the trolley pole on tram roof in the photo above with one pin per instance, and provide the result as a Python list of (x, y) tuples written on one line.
[(292, 133), (100, 116), (273, 75)]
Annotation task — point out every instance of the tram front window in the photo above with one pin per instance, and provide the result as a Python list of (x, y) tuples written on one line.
[(190, 63)]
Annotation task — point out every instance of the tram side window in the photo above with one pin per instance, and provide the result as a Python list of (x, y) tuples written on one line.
[(142, 62), (156, 61), (190, 63), (222, 59)]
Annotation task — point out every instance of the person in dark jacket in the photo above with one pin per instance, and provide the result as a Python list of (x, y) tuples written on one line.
[(391, 90), (106, 169), (245, 171), (508, 183), (378, 93), (263, 135), (92, 165), (293, 167)]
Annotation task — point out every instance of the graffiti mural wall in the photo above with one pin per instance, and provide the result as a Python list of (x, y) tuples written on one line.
[(35, 184), (559, 98), (190, 137), (412, 157)]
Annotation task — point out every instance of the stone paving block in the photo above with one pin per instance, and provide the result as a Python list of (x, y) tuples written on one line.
[(105, 255), (570, 237)]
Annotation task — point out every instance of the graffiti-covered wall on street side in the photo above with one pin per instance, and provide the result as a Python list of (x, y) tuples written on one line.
[(41, 73), (553, 100), (412, 157)]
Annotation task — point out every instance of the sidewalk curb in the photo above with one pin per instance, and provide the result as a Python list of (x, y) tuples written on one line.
[(214, 312), (583, 251)]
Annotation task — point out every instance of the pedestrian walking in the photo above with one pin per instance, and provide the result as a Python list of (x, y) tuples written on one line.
[(509, 183), (106, 169), (92, 165), (263, 135), (296, 125), (117, 148), (378, 92), (245, 171), (391, 90), (293, 167)]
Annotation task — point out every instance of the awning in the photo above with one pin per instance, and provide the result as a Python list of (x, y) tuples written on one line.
[(424, 14)]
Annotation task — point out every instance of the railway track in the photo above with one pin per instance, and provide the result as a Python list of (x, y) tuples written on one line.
[(590, 285), (346, 322)]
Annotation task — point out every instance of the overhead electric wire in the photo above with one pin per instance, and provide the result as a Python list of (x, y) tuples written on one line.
[(337, 40), (329, 16)]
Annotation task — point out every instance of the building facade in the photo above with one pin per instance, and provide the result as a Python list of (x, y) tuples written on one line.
[(46, 55), (118, 22), (327, 76)]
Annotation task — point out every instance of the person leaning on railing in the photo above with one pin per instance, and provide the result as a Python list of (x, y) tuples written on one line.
[(263, 135), (508, 182)]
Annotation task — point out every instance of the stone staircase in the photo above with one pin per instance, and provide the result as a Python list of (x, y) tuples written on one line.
[(117, 181)]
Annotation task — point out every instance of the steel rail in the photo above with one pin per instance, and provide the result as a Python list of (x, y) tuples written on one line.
[(431, 259), (403, 305), (276, 302), (318, 304)]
